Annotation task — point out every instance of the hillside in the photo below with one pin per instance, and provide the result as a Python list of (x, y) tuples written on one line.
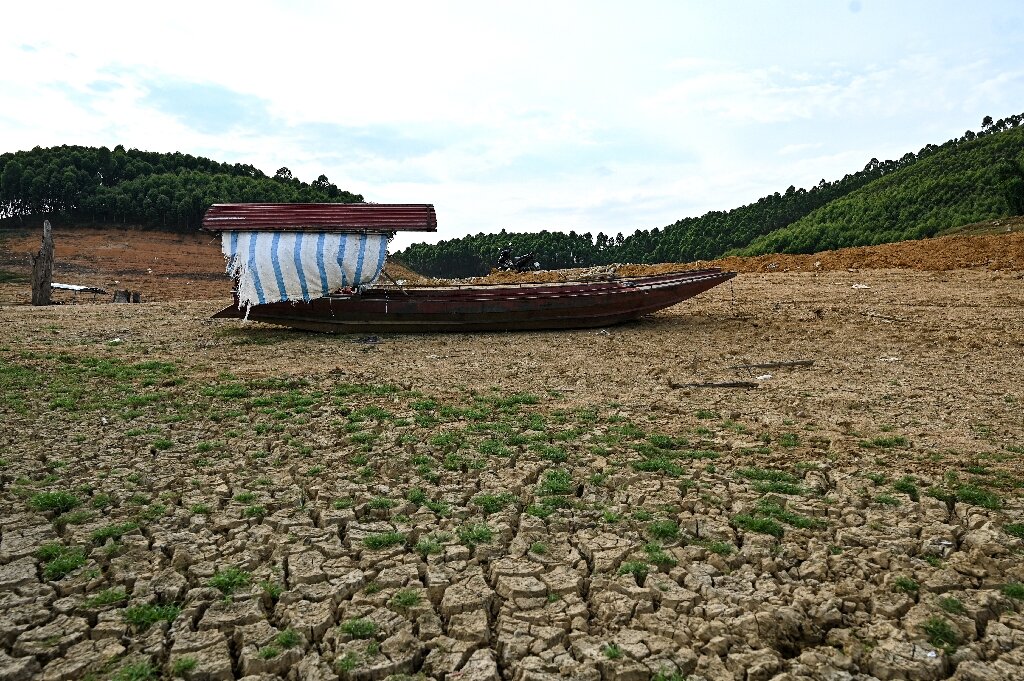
[(978, 176), (90, 185), (958, 184)]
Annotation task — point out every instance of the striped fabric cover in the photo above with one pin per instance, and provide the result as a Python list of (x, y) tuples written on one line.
[(280, 266)]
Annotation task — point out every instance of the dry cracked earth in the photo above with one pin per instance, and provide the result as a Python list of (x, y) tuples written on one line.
[(198, 499)]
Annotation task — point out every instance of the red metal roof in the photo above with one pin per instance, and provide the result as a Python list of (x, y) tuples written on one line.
[(321, 217)]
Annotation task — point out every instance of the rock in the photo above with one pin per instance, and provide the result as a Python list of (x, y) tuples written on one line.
[(754, 665), (224, 616), (471, 594), (20, 572), (17, 668), (309, 618), (481, 666), (447, 656), (83, 657), (51, 640), (470, 626), (892, 659)]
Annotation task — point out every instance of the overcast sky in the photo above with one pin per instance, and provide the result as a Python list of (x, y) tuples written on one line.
[(593, 116)]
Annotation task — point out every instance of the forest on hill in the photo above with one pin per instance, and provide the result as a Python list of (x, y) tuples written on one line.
[(975, 177), (94, 185)]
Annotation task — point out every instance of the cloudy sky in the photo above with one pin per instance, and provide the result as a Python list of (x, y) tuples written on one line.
[(593, 116)]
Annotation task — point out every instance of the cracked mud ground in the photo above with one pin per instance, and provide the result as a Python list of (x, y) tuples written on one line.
[(188, 498)]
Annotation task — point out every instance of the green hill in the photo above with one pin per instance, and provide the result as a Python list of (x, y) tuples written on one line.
[(975, 177), (958, 184), (94, 185)]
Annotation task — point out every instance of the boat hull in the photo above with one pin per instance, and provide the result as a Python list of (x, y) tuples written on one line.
[(487, 307)]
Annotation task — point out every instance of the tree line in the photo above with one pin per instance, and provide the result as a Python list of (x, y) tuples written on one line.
[(974, 177), (96, 185)]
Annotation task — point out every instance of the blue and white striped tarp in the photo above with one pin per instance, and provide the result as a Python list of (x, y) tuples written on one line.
[(280, 266)]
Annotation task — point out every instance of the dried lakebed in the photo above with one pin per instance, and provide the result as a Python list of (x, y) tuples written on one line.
[(187, 499)]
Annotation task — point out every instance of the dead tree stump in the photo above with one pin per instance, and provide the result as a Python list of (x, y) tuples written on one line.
[(42, 268)]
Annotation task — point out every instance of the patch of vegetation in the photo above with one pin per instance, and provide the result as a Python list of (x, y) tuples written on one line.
[(136, 671), (383, 540), (908, 485), (183, 665), (106, 597), (406, 598), (229, 580), (1014, 590), (656, 555), (760, 525), (359, 628), (786, 488), (766, 475), (61, 502), (492, 503), (941, 633), (906, 585), (952, 606), (637, 568), (771, 509), (663, 530), (890, 442), (612, 651), (381, 503), (887, 500), (60, 560), (540, 548), (556, 482), (475, 533), (115, 532), (970, 494), (1014, 530), (142, 617), (289, 638)]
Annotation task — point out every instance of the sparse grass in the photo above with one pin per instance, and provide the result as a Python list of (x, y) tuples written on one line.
[(789, 440), (540, 548), (906, 585), (475, 533), (289, 638), (970, 494), (787, 488), (254, 512), (383, 540), (381, 503), (612, 651), (114, 532), (656, 555), (941, 633), (887, 500), (492, 503), (61, 502), (890, 442), (135, 671), (908, 485), (637, 568), (1014, 530), (106, 597), (142, 617), (360, 628), (760, 525), (60, 560), (663, 530), (183, 665), (556, 482), (269, 652), (406, 598), (766, 475), (1014, 590), (771, 509), (200, 509), (229, 580), (952, 606)]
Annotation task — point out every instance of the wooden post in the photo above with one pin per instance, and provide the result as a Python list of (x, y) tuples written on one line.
[(42, 268)]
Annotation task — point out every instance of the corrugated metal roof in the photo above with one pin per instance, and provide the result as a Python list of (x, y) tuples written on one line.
[(321, 217)]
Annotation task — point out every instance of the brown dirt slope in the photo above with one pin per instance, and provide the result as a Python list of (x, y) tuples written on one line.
[(171, 266)]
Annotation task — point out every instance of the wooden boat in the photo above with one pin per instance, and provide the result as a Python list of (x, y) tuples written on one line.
[(284, 258), (496, 307)]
